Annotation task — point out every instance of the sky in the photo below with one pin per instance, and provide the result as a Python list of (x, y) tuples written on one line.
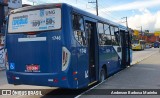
[(145, 13)]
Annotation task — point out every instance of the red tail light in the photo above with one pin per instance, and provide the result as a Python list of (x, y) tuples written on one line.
[(64, 78), (55, 80), (58, 5), (31, 33), (74, 73)]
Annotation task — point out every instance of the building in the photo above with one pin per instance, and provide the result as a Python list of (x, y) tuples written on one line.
[(5, 7)]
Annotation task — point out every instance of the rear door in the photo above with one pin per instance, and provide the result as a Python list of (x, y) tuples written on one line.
[(126, 45), (92, 50), (82, 49), (117, 53)]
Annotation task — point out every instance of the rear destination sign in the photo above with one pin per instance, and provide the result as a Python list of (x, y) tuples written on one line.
[(37, 20)]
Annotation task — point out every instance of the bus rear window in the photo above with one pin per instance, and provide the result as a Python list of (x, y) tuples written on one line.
[(37, 20)]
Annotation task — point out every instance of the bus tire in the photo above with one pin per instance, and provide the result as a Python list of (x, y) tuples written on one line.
[(102, 75)]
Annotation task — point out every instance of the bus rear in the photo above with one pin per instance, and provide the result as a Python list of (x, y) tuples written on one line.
[(35, 50)]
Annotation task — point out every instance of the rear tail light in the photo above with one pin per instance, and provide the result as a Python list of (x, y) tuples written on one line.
[(64, 78), (74, 73), (65, 58), (31, 33), (58, 5), (55, 80)]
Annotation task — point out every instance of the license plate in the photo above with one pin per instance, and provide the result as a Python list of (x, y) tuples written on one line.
[(32, 67)]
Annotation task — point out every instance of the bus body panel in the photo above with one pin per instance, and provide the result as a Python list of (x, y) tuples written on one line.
[(109, 57), (22, 54)]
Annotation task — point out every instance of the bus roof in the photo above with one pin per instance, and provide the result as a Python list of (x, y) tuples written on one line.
[(27, 8), (50, 5)]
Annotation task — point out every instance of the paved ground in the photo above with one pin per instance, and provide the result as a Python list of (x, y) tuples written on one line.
[(143, 75), (3, 79), (141, 55)]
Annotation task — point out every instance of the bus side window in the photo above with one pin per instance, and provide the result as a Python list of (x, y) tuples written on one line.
[(114, 42), (78, 27), (101, 34), (117, 35), (108, 40)]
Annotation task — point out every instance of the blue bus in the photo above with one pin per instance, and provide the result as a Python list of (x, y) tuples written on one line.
[(59, 45), (156, 44)]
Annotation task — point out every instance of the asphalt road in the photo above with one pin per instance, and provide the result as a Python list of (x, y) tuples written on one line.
[(140, 75)]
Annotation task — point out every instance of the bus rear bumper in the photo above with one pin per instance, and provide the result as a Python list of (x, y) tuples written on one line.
[(39, 79)]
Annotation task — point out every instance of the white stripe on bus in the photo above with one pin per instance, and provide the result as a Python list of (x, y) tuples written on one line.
[(31, 39)]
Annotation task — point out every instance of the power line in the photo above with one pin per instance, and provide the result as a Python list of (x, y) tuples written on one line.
[(96, 5), (105, 11)]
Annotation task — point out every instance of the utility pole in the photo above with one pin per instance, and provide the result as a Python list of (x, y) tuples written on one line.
[(126, 20), (96, 6)]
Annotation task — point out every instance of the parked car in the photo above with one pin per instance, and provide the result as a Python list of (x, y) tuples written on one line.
[(148, 45)]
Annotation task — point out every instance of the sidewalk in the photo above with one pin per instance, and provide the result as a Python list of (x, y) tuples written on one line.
[(1, 69), (2, 60), (139, 56), (144, 75)]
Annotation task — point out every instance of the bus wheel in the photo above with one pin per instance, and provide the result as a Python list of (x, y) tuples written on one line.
[(102, 75)]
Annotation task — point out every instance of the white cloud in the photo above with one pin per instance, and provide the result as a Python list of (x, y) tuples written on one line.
[(134, 5), (147, 20), (157, 24)]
